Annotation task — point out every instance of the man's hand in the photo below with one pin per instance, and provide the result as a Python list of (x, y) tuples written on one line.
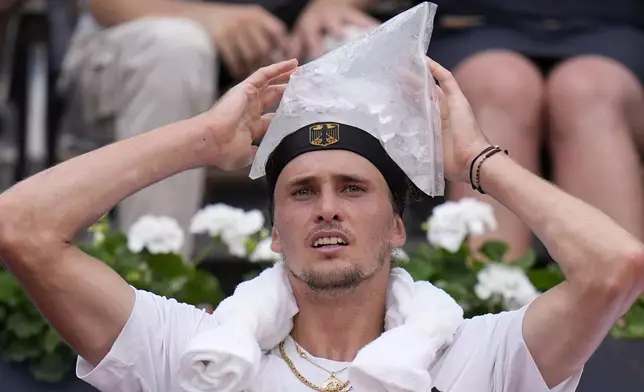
[(80, 296), (602, 262), (247, 36), (237, 120), (461, 134), (323, 17)]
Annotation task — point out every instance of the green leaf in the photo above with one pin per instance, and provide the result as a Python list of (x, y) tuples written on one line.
[(527, 260), (52, 367), (133, 277), (24, 327), (251, 275), (9, 288), (3, 314), (168, 265), (20, 350), (460, 292), (51, 340), (477, 265), (634, 321), (429, 254), (419, 269), (250, 244), (544, 279), (202, 288), (494, 250)]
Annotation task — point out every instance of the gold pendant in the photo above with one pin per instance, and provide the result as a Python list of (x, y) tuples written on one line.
[(332, 384)]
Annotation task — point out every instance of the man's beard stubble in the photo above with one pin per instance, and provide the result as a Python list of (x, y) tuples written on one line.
[(341, 280)]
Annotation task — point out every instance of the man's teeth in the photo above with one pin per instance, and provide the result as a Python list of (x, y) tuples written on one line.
[(329, 241)]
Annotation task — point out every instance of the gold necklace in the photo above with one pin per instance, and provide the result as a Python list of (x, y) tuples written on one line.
[(332, 384), (303, 354)]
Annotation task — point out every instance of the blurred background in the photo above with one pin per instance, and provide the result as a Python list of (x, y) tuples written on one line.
[(557, 83)]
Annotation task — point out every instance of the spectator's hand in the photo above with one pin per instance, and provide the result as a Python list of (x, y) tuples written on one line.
[(236, 120), (323, 17), (461, 134), (247, 36)]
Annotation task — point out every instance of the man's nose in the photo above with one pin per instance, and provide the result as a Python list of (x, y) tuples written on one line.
[(329, 207)]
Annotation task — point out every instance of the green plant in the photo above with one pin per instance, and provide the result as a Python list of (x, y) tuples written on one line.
[(458, 273), (478, 281), (481, 282), (26, 337)]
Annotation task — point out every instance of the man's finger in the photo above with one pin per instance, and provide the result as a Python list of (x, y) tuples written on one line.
[(283, 78), (442, 104), (266, 121), (444, 77), (271, 95), (260, 131), (260, 78)]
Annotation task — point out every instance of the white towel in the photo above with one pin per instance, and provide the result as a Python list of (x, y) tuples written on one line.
[(256, 318), (420, 320)]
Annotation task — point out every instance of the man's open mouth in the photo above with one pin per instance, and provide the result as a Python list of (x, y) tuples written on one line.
[(328, 242)]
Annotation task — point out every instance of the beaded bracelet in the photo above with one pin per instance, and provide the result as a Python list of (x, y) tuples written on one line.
[(488, 153)]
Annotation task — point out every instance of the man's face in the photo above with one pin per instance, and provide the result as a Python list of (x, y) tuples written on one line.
[(334, 221)]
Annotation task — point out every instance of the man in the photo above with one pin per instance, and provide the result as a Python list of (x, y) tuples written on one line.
[(337, 215), (137, 65)]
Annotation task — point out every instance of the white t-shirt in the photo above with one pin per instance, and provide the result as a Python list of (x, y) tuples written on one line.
[(487, 355)]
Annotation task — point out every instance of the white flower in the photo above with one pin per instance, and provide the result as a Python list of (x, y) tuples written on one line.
[(247, 223), (213, 219), (452, 221), (159, 234), (236, 243), (98, 237), (232, 225), (263, 251), (399, 255), (508, 282)]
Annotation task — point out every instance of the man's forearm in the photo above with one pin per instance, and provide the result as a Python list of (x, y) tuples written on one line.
[(61, 201), (113, 12), (582, 239)]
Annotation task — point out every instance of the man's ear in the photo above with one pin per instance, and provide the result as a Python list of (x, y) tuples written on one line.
[(276, 244), (399, 236)]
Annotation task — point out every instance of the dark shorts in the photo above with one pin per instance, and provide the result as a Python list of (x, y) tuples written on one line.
[(545, 42)]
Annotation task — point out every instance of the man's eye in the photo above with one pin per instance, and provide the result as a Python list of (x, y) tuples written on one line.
[(353, 188), (302, 192)]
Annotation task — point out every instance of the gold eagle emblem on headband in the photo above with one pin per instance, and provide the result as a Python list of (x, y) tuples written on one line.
[(325, 134)]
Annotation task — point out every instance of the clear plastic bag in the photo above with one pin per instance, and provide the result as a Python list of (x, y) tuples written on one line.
[(379, 83)]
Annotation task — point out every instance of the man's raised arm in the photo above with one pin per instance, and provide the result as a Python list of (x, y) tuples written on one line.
[(84, 300), (603, 263)]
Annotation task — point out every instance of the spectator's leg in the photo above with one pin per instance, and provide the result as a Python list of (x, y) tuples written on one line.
[(142, 75), (506, 94), (594, 104)]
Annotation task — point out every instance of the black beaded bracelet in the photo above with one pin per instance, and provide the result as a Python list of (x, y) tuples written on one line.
[(474, 161), (494, 150)]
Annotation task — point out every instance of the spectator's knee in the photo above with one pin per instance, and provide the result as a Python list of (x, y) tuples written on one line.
[(504, 81), (591, 84), (175, 56), (175, 39)]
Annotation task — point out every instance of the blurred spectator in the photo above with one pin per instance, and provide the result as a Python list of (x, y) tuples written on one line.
[(566, 74), (136, 65)]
